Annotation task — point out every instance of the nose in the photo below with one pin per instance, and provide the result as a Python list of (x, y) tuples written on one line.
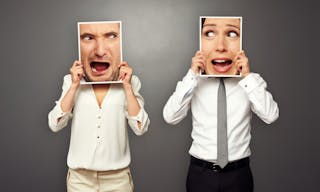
[(101, 48), (221, 44)]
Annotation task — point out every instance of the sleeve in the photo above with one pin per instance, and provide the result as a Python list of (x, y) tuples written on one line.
[(176, 108), (57, 119), (142, 116), (262, 102)]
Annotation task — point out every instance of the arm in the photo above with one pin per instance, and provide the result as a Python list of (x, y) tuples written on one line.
[(262, 102), (137, 117), (178, 104), (76, 72), (57, 118), (61, 113)]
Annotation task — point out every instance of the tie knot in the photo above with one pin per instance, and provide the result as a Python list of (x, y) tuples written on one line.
[(222, 81)]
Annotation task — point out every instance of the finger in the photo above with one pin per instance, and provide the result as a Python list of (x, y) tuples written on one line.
[(76, 63), (122, 70), (238, 56), (239, 65), (78, 67), (201, 57), (121, 74), (200, 54), (127, 72), (201, 66), (79, 73), (123, 63), (201, 61)]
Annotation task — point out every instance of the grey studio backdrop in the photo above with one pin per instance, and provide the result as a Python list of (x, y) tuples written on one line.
[(39, 44)]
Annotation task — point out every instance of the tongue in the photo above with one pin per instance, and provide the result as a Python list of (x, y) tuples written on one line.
[(100, 66), (222, 67)]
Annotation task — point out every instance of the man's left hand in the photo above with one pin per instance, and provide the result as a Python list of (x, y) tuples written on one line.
[(242, 63)]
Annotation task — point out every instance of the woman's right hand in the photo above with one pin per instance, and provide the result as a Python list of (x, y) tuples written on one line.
[(198, 62), (76, 72)]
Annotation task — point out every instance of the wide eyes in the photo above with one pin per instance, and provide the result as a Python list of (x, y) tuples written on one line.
[(210, 34), (232, 34)]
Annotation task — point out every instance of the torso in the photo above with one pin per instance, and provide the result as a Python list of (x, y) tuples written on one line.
[(100, 92)]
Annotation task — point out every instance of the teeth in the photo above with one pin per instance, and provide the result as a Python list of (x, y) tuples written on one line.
[(220, 61), (93, 69)]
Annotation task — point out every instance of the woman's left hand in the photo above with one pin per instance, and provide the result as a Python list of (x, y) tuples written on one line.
[(125, 73)]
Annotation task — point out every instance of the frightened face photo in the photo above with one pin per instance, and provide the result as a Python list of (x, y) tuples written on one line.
[(100, 50), (220, 41)]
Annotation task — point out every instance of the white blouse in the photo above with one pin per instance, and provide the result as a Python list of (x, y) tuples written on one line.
[(99, 138)]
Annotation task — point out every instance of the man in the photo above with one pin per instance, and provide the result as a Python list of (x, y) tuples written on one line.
[(99, 154), (220, 163)]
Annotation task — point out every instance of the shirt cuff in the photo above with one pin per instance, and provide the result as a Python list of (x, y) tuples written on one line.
[(60, 113), (190, 82), (57, 118), (142, 117), (138, 117), (191, 76), (250, 82)]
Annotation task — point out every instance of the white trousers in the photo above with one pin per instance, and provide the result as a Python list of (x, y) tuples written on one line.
[(82, 180)]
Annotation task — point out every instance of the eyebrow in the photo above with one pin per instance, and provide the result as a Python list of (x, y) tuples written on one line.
[(85, 35), (214, 25), (105, 34), (111, 33), (230, 25)]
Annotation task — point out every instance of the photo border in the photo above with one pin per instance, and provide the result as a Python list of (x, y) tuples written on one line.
[(83, 82), (200, 45)]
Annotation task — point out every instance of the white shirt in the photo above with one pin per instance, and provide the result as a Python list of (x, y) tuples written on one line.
[(99, 138), (243, 96)]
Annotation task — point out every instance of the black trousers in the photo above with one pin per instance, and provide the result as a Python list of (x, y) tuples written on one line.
[(204, 179)]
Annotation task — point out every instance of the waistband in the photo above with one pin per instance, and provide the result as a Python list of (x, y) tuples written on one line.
[(214, 167)]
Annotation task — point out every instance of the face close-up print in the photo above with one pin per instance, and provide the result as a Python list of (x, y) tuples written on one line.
[(220, 41), (100, 50)]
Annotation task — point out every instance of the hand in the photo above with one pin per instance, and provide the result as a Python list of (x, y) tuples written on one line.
[(125, 74), (198, 62), (242, 63), (76, 72)]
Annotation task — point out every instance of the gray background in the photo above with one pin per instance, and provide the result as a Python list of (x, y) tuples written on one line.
[(39, 44)]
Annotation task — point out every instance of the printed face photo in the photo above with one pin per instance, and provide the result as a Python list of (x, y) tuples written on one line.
[(100, 50), (220, 40)]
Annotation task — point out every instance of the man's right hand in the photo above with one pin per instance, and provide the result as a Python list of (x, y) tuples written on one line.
[(76, 72), (198, 62)]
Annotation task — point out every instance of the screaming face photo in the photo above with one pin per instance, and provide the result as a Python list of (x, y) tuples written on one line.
[(100, 50)]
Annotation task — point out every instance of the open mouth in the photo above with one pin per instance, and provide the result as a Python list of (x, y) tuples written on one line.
[(221, 65), (221, 61), (99, 66)]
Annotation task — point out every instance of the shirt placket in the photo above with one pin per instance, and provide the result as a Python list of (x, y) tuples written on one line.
[(99, 125)]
